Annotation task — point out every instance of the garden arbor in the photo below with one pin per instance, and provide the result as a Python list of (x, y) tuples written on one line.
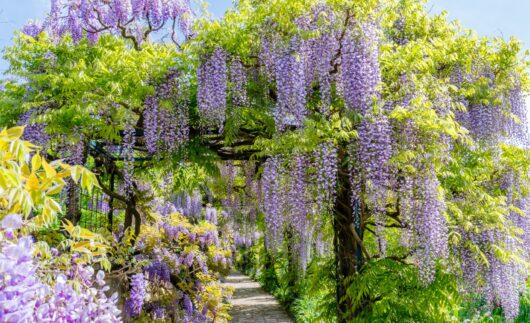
[(386, 134)]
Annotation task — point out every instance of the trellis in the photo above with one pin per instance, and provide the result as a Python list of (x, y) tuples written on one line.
[(96, 210)]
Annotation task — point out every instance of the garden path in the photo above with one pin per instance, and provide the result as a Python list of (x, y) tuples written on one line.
[(251, 304)]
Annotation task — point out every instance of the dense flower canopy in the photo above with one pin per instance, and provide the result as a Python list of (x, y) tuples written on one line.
[(367, 132)]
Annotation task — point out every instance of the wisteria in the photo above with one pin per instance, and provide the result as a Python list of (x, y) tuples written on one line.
[(128, 141), (34, 132), (406, 207), (188, 308), (360, 74), (75, 152), (518, 131), (189, 254), (268, 56), (363, 145), (212, 77), (322, 54), (252, 191), (89, 305), (132, 19), (290, 71), (503, 281), (238, 78), (138, 293), (401, 37), (374, 153), (288, 201), (189, 205), (486, 120), (25, 286), (273, 204), (166, 120), (158, 271), (243, 240), (430, 226), (229, 174), (299, 206), (298, 191), (211, 215), (24, 297), (325, 176), (33, 28)]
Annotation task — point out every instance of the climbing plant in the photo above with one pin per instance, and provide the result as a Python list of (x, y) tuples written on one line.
[(371, 132)]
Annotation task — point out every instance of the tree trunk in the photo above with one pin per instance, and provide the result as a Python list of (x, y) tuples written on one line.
[(128, 218), (346, 249), (292, 265), (131, 213), (73, 209), (73, 194)]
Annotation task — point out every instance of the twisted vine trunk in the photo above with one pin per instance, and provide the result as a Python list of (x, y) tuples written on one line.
[(347, 251), (73, 209), (292, 270), (131, 213), (73, 193)]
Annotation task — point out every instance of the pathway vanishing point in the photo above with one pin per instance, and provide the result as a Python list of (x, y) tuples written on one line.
[(251, 304)]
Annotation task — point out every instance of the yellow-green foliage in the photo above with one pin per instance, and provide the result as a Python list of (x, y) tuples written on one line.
[(28, 183), (29, 186)]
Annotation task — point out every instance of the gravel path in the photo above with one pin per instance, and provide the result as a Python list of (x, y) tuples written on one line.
[(251, 304)]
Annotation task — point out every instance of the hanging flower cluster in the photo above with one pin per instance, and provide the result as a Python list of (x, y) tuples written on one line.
[(128, 143), (273, 200), (360, 70), (238, 78), (34, 132), (300, 64), (430, 226), (326, 172), (33, 28), (189, 205), (374, 153), (321, 53), (166, 120), (138, 292), (212, 78), (291, 107), (518, 131), (296, 193)]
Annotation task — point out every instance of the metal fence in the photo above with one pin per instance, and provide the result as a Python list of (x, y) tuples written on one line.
[(95, 209)]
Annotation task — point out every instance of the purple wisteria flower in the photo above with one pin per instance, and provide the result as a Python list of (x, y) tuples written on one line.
[(33, 28), (138, 292), (12, 221), (25, 298), (212, 78)]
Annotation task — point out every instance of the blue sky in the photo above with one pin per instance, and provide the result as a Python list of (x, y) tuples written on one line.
[(503, 18)]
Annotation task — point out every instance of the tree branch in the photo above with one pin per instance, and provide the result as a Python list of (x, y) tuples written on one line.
[(359, 241), (111, 193)]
